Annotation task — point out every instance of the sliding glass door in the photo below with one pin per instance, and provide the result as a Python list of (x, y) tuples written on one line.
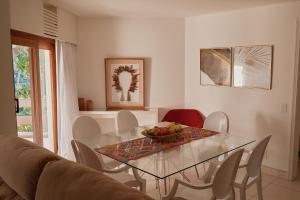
[(22, 65), (48, 95), (35, 88)]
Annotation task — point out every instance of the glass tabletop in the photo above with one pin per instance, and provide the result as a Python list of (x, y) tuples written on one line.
[(174, 160)]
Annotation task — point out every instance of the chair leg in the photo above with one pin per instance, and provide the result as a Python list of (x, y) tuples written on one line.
[(158, 185), (233, 194), (259, 188), (242, 193)]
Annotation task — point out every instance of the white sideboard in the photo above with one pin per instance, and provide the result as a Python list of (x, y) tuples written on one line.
[(107, 119)]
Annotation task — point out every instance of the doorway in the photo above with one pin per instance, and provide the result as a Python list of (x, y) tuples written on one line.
[(295, 137), (35, 88)]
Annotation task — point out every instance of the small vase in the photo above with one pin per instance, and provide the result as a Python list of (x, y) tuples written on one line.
[(122, 96), (128, 96)]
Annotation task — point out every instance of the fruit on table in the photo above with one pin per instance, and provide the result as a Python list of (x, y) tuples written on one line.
[(171, 129), (174, 127)]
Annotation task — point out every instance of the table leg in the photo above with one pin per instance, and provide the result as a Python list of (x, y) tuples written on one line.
[(165, 183), (198, 176), (158, 186), (157, 183), (184, 176)]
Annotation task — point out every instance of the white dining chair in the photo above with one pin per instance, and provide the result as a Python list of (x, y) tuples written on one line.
[(126, 121), (249, 172), (221, 187), (86, 129), (217, 121), (90, 158)]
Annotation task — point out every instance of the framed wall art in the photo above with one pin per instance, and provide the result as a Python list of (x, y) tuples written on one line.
[(124, 79), (215, 66), (252, 66)]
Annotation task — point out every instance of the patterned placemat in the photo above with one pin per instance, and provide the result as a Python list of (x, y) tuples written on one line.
[(141, 147)]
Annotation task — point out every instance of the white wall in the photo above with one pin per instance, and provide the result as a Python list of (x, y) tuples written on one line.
[(7, 117), (27, 16), (159, 41), (252, 112), (67, 24)]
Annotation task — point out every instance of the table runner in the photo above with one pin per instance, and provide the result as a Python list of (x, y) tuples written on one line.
[(141, 147)]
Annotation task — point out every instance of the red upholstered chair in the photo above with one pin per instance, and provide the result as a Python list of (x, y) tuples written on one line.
[(188, 117)]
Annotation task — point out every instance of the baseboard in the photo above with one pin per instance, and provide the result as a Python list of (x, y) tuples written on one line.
[(274, 172)]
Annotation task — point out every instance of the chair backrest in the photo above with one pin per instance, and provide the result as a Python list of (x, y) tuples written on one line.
[(217, 121), (88, 157), (126, 120), (225, 175), (188, 117), (86, 128), (256, 157), (75, 151)]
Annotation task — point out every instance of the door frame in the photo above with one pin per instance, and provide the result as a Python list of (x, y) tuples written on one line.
[(36, 43), (295, 127)]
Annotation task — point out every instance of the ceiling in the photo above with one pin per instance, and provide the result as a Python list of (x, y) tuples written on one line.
[(156, 8)]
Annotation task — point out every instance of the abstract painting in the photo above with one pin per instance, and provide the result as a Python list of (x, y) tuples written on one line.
[(252, 66), (124, 83), (215, 66)]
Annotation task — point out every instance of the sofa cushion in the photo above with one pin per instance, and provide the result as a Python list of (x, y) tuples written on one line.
[(21, 163), (65, 180), (7, 193)]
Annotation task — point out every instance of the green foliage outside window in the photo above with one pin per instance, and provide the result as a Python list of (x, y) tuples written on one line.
[(24, 92), (25, 111), (24, 128), (22, 82), (21, 71)]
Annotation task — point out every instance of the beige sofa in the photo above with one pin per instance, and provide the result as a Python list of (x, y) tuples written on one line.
[(29, 172)]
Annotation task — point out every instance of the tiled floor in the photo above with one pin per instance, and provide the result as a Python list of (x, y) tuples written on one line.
[(274, 188)]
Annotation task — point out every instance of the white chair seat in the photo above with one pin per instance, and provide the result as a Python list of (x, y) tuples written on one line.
[(241, 174), (220, 159), (121, 177), (109, 162), (185, 193), (188, 193)]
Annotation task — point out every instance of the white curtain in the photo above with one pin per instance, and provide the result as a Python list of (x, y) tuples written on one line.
[(67, 96)]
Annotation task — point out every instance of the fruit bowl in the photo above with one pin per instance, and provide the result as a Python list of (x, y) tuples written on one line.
[(169, 133)]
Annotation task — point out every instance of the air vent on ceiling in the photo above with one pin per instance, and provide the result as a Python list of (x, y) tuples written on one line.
[(50, 21)]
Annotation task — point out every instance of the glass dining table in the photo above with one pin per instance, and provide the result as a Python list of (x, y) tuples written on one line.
[(166, 163)]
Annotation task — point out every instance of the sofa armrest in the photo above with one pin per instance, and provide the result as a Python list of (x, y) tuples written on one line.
[(68, 180), (21, 164)]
